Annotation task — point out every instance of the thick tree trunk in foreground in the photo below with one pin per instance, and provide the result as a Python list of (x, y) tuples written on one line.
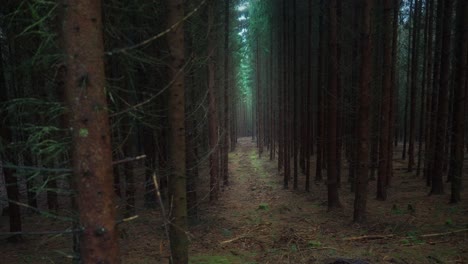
[(177, 180), (89, 123), (5, 138), (365, 78)]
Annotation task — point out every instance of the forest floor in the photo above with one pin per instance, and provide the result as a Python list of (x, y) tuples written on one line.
[(255, 220)]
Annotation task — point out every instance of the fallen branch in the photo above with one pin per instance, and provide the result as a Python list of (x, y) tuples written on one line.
[(234, 239), (369, 237), (445, 233)]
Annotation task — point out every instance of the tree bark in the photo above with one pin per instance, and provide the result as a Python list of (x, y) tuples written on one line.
[(212, 115), (177, 180), (442, 111), (320, 103), (459, 109), (414, 83), (89, 124), (225, 144), (364, 99), (333, 71), (385, 107)]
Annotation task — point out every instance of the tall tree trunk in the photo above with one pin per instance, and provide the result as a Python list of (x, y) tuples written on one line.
[(408, 85), (385, 106), (459, 109), (260, 129), (177, 180), (394, 91), (295, 104), (7, 88), (89, 123), (332, 177), (424, 95), (430, 161), (320, 103), (414, 83), (225, 144), (442, 111), (309, 100), (365, 78), (212, 115)]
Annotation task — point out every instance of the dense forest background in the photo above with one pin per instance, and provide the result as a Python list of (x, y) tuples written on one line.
[(243, 131)]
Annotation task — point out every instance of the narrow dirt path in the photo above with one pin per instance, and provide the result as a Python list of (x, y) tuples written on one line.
[(257, 221)]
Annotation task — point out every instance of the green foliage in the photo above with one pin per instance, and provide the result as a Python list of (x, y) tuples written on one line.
[(396, 210), (293, 248), (314, 244), (413, 238), (264, 207), (226, 232), (449, 222)]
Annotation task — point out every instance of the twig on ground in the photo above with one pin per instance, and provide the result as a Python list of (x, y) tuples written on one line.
[(445, 233), (369, 237)]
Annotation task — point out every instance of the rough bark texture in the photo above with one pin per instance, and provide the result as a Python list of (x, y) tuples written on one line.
[(7, 85), (226, 96), (414, 84), (459, 109), (442, 111), (332, 177), (177, 180), (320, 103), (385, 107), (260, 128), (89, 125), (430, 155), (394, 92), (212, 117), (360, 201)]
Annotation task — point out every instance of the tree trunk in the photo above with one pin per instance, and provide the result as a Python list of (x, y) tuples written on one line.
[(89, 123), (212, 115), (365, 78), (320, 103), (459, 109), (177, 180), (394, 92), (385, 107), (332, 177), (414, 83), (442, 111), (225, 144)]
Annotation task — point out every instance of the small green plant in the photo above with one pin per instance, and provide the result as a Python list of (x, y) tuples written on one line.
[(413, 237), (449, 222), (314, 244), (294, 248), (226, 232), (396, 210), (263, 206)]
